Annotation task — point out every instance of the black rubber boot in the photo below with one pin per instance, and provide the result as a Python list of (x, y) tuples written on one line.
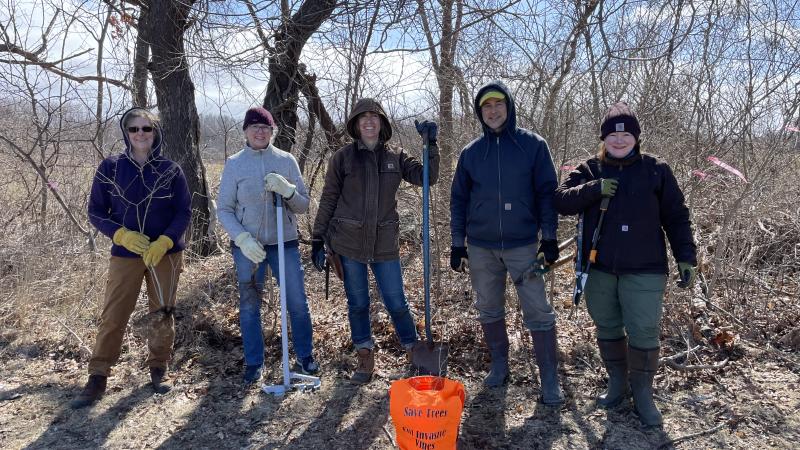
[(546, 348), (643, 367), (159, 381), (496, 338), (615, 357), (92, 392)]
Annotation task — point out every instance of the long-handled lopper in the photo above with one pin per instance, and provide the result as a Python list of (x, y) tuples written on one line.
[(291, 380), (582, 273), (429, 357)]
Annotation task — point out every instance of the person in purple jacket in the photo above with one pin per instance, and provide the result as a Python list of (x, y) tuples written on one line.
[(140, 200)]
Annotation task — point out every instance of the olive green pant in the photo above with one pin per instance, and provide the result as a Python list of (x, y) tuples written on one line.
[(629, 304), (125, 277)]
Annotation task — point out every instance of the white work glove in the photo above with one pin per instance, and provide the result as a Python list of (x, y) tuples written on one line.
[(279, 185), (250, 247)]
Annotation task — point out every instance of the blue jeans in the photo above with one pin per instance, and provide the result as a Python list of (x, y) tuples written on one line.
[(251, 285), (390, 283)]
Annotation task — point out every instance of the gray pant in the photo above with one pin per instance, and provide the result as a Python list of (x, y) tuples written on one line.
[(629, 303), (488, 269)]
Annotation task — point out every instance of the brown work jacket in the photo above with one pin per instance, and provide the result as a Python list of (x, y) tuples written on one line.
[(357, 215)]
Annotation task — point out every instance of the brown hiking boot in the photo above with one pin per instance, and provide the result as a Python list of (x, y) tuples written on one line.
[(159, 380), (366, 364), (92, 392)]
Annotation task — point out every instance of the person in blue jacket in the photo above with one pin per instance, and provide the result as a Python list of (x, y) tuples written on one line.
[(501, 199), (140, 200)]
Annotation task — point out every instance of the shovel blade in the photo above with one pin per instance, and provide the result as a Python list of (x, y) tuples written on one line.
[(430, 359)]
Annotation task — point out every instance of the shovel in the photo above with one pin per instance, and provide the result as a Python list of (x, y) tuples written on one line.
[(428, 357), (291, 380)]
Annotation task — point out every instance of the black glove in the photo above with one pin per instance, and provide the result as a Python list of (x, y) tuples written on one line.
[(549, 249), (429, 128), (459, 260), (318, 254)]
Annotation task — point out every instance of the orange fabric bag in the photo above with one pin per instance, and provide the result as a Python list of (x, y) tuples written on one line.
[(426, 412)]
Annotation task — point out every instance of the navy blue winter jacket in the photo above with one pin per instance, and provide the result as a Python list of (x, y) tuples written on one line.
[(152, 199), (502, 192)]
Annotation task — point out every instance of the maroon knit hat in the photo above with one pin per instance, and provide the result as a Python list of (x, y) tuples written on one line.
[(620, 118), (257, 115)]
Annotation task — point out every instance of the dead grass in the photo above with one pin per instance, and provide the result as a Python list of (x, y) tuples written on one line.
[(51, 290)]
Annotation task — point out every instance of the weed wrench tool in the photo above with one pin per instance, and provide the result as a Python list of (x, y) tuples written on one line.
[(291, 380)]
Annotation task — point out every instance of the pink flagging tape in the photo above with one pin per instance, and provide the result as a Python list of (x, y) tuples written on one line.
[(700, 174), (727, 167)]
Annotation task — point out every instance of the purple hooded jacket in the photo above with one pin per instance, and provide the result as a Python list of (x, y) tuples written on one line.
[(152, 199)]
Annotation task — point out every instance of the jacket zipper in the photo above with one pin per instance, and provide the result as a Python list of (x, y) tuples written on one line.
[(499, 193)]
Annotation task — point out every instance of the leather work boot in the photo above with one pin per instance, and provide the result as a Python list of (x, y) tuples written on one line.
[(496, 338), (614, 353), (159, 380), (545, 347), (366, 364), (643, 367), (92, 392)]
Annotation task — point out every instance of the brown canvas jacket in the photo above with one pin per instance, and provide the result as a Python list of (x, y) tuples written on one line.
[(357, 214)]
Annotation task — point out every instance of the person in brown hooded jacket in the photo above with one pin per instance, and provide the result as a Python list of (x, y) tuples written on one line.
[(357, 219)]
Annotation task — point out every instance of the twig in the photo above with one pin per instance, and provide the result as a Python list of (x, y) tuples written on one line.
[(389, 435), (685, 368), (678, 355), (80, 341), (712, 430)]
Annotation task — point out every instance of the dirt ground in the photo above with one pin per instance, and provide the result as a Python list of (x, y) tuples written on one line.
[(750, 400)]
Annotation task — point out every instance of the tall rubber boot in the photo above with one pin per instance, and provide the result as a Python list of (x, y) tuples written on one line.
[(545, 346), (643, 367), (496, 338), (615, 357)]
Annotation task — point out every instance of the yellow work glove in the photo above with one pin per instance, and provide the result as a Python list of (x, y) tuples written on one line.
[(131, 240), (152, 256)]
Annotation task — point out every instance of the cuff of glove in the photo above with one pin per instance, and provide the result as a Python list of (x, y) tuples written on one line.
[(118, 235), (164, 239), (241, 238)]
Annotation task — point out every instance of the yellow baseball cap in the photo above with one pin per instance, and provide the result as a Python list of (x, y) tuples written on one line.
[(491, 94)]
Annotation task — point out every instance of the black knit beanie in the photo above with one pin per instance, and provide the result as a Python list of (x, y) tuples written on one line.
[(620, 118)]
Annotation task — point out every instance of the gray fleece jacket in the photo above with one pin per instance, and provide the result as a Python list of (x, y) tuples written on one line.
[(244, 205)]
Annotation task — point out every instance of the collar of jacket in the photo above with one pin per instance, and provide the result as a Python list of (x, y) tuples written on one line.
[(267, 149), (605, 158), (361, 146)]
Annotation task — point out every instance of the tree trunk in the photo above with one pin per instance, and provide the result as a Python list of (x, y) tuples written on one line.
[(140, 58), (282, 90), (163, 28)]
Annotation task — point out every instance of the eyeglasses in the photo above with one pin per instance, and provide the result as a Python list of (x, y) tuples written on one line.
[(133, 130), (260, 129)]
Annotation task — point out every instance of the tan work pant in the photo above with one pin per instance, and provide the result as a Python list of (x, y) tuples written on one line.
[(124, 282)]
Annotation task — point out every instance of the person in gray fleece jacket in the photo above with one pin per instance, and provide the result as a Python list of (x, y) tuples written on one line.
[(245, 208)]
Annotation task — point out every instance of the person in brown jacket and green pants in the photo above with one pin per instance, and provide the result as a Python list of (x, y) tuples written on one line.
[(358, 220)]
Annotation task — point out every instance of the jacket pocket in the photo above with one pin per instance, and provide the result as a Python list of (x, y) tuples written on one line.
[(638, 245), (347, 234), (387, 238), (519, 222)]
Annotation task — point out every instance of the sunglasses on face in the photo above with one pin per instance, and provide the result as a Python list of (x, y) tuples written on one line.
[(133, 130)]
